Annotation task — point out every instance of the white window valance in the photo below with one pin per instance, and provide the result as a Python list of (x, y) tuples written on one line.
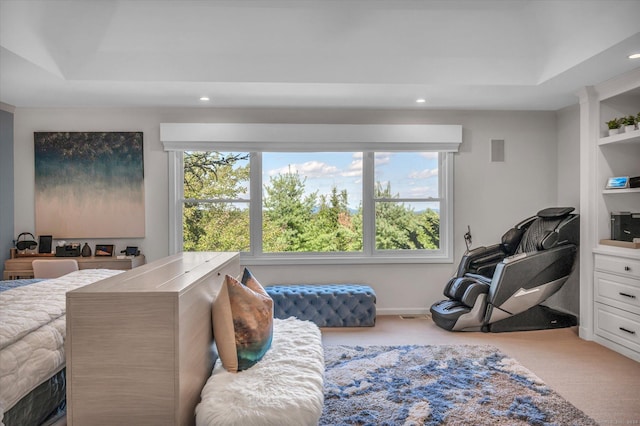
[(309, 137)]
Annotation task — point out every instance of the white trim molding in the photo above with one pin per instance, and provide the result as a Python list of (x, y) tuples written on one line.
[(310, 137), (258, 138)]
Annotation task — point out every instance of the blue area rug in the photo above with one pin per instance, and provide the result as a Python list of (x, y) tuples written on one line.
[(437, 385)]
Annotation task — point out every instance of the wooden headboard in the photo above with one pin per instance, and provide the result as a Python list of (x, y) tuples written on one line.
[(139, 344)]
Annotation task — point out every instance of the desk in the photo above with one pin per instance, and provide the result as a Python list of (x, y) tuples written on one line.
[(20, 267)]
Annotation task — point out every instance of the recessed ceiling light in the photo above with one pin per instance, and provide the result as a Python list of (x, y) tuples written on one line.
[(635, 56), (421, 100), (204, 98)]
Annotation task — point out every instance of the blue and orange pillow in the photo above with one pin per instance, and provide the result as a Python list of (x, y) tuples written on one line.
[(242, 317)]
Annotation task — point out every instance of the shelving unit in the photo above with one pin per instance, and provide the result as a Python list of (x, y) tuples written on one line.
[(630, 137), (620, 191), (609, 276)]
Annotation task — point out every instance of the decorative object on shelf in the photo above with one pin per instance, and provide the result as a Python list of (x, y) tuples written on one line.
[(131, 251), (104, 249), (26, 244), (86, 250), (614, 126), (625, 226), (629, 123), (44, 244), (617, 182), (68, 250)]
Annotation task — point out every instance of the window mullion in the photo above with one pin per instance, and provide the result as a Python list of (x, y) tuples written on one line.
[(368, 203), (446, 215), (176, 196), (255, 204)]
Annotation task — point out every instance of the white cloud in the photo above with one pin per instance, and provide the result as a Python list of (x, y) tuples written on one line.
[(429, 155), (422, 192), (310, 169), (424, 174), (382, 158), (355, 168)]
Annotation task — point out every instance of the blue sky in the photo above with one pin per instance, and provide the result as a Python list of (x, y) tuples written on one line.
[(412, 175)]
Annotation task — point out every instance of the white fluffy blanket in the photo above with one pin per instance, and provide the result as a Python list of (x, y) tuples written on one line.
[(32, 332), (285, 388)]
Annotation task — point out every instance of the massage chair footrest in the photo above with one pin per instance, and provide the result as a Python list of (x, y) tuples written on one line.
[(447, 312)]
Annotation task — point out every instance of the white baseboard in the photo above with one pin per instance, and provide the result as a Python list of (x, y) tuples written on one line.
[(404, 311)]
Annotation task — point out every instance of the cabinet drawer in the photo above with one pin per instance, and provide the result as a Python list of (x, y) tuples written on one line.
[(618, 291), (618, 326), (618, 265)]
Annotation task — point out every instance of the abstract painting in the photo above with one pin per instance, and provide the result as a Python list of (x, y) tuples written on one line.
[(89, 184)]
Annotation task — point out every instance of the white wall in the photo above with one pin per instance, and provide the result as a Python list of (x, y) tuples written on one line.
[(490, 197), (7, 234), (569, 156), (568, 153)]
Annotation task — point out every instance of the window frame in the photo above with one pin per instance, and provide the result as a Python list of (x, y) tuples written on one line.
[(176, 140)]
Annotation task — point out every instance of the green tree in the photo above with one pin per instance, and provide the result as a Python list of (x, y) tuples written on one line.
[(208, 225), (292, 221), (429, 230), (399, 227), (287, 213), (333, 227)]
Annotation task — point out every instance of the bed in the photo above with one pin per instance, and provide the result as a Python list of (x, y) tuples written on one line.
[(32, 336)]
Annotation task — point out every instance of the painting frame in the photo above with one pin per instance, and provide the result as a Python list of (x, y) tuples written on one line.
[(104, 250), (89, 184)]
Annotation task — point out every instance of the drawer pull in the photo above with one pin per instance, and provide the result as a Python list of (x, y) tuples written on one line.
[(626, 330), (630, 296), (626, 268)]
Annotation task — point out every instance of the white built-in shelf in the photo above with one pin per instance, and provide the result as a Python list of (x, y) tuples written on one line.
[(620, 191), (626, 137)]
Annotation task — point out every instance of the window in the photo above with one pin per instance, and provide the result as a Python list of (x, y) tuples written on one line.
[(316, 206), (407, 200), (215, 211)]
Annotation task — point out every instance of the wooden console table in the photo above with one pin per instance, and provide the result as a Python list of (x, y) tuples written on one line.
[(139, 344), (20, 267)]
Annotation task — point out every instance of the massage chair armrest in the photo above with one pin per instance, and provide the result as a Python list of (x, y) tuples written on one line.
[(481, 260), (530, 270)]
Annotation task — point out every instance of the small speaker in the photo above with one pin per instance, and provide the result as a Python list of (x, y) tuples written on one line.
[(44, 246), (497, 150)]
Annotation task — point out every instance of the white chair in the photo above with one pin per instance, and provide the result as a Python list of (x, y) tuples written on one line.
[(53, 268)]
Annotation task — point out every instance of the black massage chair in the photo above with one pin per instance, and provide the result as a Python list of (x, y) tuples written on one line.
[(501, 287)]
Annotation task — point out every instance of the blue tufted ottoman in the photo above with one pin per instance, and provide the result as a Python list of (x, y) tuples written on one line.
[(327, 305)]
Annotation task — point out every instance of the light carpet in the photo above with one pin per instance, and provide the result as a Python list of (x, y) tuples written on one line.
[(437, 385)]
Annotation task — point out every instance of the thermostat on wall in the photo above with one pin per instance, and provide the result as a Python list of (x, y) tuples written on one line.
[(618, 182)]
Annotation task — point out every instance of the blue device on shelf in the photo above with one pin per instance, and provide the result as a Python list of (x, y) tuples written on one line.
[(618, 182)]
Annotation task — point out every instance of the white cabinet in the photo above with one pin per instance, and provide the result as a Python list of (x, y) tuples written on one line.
[(609, 276), (617, 301)]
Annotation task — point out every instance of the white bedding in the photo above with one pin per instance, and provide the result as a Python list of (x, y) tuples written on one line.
[(32, 332), (285, 388)]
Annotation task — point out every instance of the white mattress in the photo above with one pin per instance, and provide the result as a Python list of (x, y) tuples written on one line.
[(32, 332)]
